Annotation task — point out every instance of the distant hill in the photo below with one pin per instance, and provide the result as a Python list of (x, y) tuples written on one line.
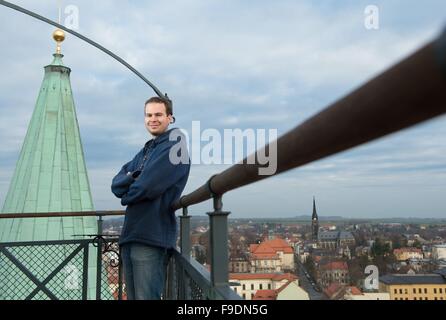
[(307, 219), (321, 218)]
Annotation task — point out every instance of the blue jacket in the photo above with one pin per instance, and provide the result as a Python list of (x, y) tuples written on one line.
[(149, 217)]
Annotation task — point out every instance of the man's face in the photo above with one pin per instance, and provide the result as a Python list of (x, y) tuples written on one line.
[(156, 119)]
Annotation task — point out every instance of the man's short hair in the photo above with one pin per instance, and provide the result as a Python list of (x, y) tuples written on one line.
[(168, 106)]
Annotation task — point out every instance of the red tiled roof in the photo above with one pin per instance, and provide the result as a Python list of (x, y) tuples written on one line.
[(283, 287), (333, 289), (271, 276), (355, 291), (265, 295), (285, 276), (401, 250), (253, 247), (271, 247), (335, 265)]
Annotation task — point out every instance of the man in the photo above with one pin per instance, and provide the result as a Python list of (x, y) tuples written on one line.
[(148, 185)]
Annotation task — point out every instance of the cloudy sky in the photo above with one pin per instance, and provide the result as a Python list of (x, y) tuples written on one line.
[(233, 64)]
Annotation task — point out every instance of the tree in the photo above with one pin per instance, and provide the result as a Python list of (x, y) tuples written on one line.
[(356, 269), (310, 267), (380, 249), (417, 244), (398, 241)]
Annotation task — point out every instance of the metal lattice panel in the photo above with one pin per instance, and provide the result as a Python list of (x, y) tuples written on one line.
[(196, 291), (59, 270), (41, 272)]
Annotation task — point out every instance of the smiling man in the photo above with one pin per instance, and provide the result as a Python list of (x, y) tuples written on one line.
[(148, 185)]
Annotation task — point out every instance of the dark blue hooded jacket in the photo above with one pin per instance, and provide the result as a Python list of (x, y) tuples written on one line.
[(149, 217)]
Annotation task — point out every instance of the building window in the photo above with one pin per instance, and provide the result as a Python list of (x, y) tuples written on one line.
[(261, 286), (235, 289), (244, 296), (401, 291), (395, 291), (269, 286), (425, 298), (244, 287), (435, 298), (252, 286), (419, 290), (435, 290), (415, 298), (414, 290), (425, 290), (441, 290), (405, 291)]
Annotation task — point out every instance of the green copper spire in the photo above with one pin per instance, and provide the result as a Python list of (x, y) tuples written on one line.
[(50, 176)]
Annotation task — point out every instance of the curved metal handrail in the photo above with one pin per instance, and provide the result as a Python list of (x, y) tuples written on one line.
[(408, 93), (93, 43)]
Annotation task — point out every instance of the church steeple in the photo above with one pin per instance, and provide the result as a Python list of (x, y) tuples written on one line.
[(314, 222), (50, 176), (314, 216)]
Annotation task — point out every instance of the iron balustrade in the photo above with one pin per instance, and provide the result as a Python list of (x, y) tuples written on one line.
[(60, 270), (186, 278)]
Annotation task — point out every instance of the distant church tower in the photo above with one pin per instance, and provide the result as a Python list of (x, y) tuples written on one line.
[(314, 222)]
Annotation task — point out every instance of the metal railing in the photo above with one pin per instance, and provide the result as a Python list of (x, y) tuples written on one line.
[(189, 280), (61, 270), (91, 268), (410, 92)]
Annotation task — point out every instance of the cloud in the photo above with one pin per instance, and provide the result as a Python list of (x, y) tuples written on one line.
[(228, 64)]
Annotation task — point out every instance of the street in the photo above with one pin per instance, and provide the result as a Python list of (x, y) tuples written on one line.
[(305, 282)]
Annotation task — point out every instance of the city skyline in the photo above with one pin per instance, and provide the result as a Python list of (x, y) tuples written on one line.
[(244, 68)]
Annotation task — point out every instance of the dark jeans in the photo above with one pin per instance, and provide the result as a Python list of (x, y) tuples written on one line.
[(144, 270)]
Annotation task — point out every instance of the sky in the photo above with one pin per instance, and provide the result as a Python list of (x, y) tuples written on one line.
[(233, 64)]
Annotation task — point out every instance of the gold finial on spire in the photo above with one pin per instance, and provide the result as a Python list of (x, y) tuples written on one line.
[(59, 37)]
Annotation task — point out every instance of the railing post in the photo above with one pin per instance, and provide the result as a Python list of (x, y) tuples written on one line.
[(100, 224), (99, 258), (218, 221), (185, 244), (100, 241), (120, 275), (184, 291), (85, 273)]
